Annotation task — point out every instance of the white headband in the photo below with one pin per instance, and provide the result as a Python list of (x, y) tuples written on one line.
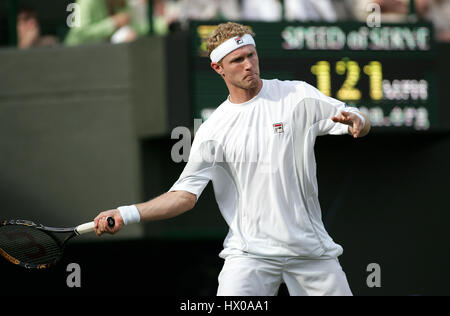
[(230, 45)]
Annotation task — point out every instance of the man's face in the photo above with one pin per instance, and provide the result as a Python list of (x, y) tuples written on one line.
[(240, 68), (27, 22)]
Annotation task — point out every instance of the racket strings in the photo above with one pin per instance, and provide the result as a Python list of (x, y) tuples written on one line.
[(29, 245)]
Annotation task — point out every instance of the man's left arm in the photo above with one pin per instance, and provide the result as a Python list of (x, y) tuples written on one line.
[(357, 126)]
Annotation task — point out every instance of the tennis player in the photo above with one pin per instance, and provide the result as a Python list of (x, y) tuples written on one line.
[(258, 150)]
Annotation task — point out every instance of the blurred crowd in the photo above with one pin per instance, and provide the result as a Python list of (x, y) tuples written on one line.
[(124, 20)]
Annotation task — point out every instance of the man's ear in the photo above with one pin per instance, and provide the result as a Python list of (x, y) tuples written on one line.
[(218, 68)]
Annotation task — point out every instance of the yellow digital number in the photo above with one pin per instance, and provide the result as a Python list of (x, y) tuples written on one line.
[(322, 71), (348, 92), (375, 72)]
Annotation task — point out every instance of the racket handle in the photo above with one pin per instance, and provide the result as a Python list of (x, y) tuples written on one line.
[(89, 227), (111, 222), (85, 228)]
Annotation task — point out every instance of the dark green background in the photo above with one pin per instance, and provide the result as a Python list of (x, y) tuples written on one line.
[(208, 90)]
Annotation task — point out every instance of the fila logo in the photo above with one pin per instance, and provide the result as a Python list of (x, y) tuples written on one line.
[(278, 128), (238, 40)]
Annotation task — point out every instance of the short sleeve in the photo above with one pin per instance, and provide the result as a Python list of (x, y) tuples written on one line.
[(334, 107), (202, 162)]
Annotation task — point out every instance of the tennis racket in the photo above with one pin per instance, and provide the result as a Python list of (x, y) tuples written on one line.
[(35, 246)]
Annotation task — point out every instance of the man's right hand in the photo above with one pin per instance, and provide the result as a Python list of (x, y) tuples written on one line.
[(101, 224)]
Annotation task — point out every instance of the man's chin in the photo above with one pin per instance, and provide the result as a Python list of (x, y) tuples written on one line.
[(251, 83)]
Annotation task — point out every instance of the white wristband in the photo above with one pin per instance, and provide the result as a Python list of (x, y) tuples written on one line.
[(130, 214)]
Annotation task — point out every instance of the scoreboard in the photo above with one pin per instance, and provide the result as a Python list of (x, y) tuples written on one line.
[(387, 72)]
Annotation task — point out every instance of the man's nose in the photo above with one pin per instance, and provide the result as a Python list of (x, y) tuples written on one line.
[(247, 64)]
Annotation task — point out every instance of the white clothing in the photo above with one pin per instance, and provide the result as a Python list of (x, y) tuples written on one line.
[(262, 10), (244, 275), (439, 15), (361, 9), (310, 10), (209, 9), (260, 158)]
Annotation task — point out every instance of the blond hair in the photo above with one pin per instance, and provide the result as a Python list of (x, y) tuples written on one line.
[(224, 32)]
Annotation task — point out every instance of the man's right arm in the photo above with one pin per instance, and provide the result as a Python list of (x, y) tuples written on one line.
[(167, 205), (181, 197)]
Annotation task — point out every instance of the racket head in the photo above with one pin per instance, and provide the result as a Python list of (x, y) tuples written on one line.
[(31, 245)]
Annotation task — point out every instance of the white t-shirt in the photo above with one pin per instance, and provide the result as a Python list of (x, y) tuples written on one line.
[(260, 157)]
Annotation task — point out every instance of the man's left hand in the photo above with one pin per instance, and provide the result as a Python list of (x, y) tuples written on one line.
[(352, 120)]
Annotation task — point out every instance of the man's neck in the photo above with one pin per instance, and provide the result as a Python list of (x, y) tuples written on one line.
[(239, 95)]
